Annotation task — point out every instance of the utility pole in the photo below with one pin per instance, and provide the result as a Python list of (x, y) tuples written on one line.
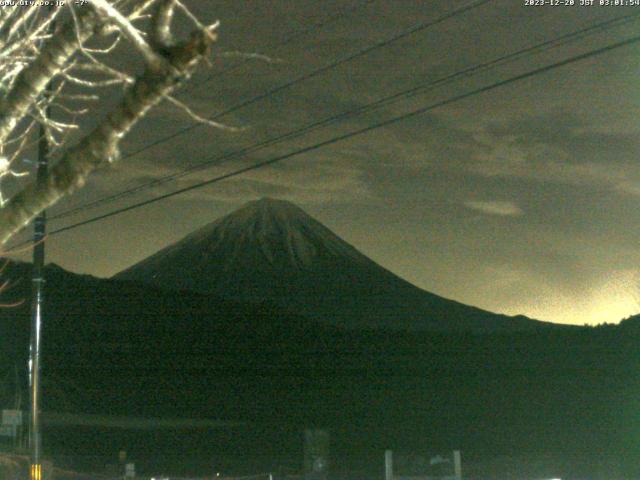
[(37, 279)]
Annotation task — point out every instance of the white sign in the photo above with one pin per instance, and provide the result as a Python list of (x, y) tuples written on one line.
[(8, 431), (11, 417), (130, 470)]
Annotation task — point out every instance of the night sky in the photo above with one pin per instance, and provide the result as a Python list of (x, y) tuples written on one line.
[(518, 200)]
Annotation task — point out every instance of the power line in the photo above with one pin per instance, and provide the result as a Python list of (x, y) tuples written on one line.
[(325, 68), (334, 140), (421, 88), (290, 38), (285, 41), (405, 33)]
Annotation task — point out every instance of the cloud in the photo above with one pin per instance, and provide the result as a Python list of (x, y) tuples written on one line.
[(495, 207), (335, 176), (606, 164)]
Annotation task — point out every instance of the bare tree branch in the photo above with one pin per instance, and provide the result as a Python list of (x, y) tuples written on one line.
[(200, 119), (111, 14), (33, 80), (101, 145), (161, 24), (41, 69)]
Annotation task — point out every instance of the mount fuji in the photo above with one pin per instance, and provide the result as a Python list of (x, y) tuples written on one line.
[(272, 251)]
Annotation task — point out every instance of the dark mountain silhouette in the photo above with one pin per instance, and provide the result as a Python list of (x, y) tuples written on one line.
[(271, 250), (630, 323), (124, 348)]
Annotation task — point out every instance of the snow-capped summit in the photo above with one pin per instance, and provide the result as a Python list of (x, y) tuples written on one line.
[(268, 233), (271, 250)]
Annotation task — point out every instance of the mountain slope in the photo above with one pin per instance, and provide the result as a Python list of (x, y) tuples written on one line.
[(122, 348), (271, 250)]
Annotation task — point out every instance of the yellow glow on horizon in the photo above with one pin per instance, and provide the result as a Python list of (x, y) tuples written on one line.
[(607, 312), (617, 298)]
